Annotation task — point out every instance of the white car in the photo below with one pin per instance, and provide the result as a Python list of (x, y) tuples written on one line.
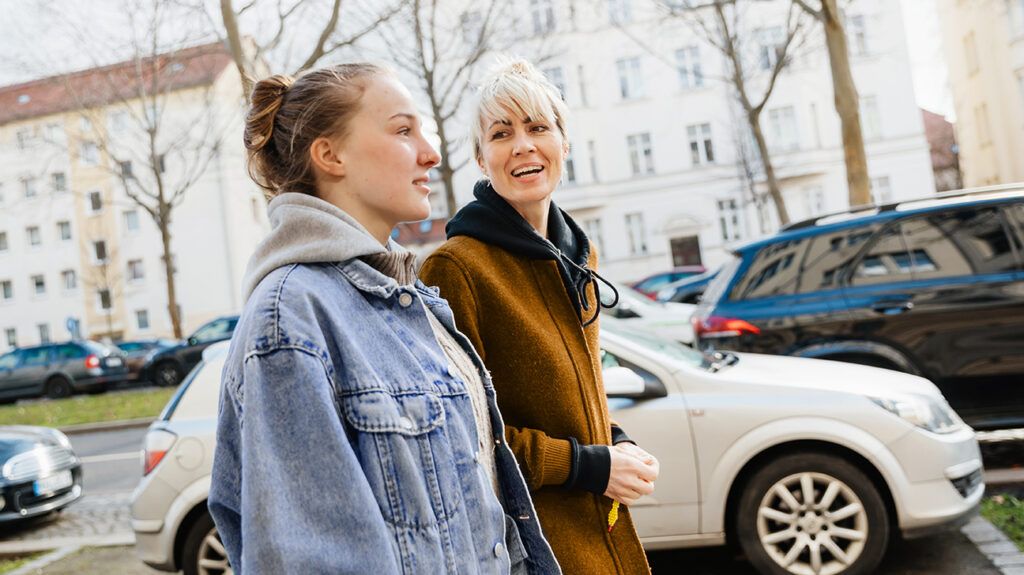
[(667, 319), (809, 465)]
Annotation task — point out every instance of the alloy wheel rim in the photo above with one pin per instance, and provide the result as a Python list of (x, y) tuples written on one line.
[(213, 558), (167, 375), (811, 523)]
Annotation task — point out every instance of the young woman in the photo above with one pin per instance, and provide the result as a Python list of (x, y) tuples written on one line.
[(518, 273), (358, 432)]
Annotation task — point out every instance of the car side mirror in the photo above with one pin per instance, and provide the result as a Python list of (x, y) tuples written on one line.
[(624, 311), (622, 382)]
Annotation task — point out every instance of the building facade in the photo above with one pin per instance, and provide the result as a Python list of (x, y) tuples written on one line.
[(77, 252), (984, 44)]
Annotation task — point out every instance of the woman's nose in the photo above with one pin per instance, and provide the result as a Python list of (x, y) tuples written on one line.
[(430, 157), (522, 145)]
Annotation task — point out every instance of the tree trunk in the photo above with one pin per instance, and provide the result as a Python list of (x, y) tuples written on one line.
[(769, 170), (172, 297), (847, 105), (227, 13)]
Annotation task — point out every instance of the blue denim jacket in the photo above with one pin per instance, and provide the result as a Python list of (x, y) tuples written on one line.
[(345, 444)]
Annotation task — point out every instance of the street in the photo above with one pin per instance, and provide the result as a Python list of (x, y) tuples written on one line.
[(111, 460)]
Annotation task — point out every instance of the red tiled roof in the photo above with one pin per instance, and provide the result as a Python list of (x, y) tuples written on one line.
[(196, 66), (941, 139)]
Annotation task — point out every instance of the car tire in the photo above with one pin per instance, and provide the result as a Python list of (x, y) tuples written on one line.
[(845, 528), (167, 374), (203, 553), (58, 387)]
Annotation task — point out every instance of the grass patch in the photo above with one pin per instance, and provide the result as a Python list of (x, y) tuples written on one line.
[(1007, 513), (88, 408), (12, 562)]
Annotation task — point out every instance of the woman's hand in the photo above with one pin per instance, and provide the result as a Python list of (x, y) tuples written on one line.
[(633, 473)]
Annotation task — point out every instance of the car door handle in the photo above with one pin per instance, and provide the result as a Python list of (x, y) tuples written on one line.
[(890, 307)]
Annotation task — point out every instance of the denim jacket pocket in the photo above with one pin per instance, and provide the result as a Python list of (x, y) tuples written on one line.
[(408, 413), (516, 550)]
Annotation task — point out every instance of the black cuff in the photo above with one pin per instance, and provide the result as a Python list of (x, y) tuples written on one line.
[(619, 436), (591, 467)]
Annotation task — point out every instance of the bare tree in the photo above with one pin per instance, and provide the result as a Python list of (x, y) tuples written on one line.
[(250, 56), (847, 102), (104, 278), (721, 24)]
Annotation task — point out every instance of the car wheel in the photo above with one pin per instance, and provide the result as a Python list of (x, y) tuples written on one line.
[(167, 374), (58, 387), (203, 552), (812, 514)]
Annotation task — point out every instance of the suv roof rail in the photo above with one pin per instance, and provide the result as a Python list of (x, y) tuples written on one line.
[(871, 209)]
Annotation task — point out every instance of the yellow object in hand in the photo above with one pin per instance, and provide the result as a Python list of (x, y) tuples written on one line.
[(613, 515)]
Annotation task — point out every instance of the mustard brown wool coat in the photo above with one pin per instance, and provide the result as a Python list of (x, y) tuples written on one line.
[(546, 369)]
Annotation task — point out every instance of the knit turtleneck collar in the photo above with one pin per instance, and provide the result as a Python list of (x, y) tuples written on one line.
[(397, 263)]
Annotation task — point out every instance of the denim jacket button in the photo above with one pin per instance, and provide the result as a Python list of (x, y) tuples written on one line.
[(405, 300), (498, 549), (405, 422)]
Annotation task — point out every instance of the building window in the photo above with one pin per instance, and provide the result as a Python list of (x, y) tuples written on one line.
[(69, 279), (631, 81), (99, 250), (95, 202), (783, 134), (971, 53), (64, 231), (7, 289), (26, 138), (59, 182), (688, 65), (35, 237), (119, 122), (569, 170), (701, 149), (142, 318), (44, 332), (581, 80), (556, 78), (84, 124), (38, 284), (104, 299), (126, 169), (135, 271), (620, 11), (871, 123), (770, 42), (592, 154), (543, 12), (881, 191), (637, 234), (640, 154), (89, 153), (471, 24), (12, 337), (729, 219), (28, 186), (592, 227), (3, 242), (54, 133), (815, 197), (984, 130), (857, 35), (131, 220)]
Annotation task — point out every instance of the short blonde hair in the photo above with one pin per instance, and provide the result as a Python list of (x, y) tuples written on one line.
[(514, 85)]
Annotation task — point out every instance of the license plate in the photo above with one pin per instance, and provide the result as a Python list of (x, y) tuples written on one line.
[(53, 483), (114, 362)]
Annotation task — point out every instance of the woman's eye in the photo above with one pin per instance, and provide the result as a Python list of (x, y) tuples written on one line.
[(498, 134), (405, 131), (540, 128)]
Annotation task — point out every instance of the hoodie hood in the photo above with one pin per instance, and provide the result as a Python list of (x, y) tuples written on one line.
[(494, 221), (306, 229)]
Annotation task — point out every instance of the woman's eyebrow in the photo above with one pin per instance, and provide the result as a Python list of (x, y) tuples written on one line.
[(499, 123)]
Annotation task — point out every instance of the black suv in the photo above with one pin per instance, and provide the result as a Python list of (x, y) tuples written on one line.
[(933, 287), (167, 366), (59, 369)]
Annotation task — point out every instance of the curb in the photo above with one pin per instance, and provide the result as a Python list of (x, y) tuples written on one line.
[(45, 560), (107, 425), (52, 543), (995, 545)]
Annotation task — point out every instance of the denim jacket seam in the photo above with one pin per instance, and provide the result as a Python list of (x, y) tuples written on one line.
[(277, 302), (313, 351)]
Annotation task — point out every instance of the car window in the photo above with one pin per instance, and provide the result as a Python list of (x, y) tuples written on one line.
[(773, 272), (1015, 214), (608, 359), (96, 347), (34, 357), (217, 329), (886, 260), (130, 346), (9, 360), (829, 255), (958, 243), (69, 351)]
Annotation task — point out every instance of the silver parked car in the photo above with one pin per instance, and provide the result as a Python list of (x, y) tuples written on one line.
[(809, 465)]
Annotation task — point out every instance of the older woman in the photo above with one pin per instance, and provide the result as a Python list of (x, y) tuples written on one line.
[(519, 275)]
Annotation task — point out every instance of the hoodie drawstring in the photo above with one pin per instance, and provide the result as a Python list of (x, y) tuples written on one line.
[(590, 277)]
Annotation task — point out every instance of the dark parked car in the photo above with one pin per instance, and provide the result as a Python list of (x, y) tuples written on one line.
[(139, 351), (932, 287), (40, 472), (686, 290), (650, 285), (167, 366), (60, 369)]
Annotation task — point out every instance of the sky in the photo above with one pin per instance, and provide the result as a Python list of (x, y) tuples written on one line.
[(31, 49)]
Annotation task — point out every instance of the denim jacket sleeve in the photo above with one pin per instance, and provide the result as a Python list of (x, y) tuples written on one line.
[(288, 493)]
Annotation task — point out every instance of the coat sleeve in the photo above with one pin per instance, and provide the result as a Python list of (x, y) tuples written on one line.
[(544, 460), (288, 492)]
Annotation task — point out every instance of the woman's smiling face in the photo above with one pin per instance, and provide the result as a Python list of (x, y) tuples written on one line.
[(522, 156)]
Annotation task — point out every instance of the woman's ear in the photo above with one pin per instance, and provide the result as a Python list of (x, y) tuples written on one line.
[(480, 163), (326, 158)]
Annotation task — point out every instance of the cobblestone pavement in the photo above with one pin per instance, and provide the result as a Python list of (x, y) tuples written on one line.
[(100, 518)]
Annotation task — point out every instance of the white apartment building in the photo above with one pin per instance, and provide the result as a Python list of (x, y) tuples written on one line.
[(654, 176), (74, 246)]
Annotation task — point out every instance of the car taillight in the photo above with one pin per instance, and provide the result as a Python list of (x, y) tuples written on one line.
[(156, 445), (717, 326), (92, 361)]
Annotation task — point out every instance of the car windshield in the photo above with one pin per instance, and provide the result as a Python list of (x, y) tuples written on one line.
[(665, 347), (632, 299)]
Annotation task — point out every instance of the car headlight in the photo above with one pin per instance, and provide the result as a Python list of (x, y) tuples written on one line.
[(931, 413)]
